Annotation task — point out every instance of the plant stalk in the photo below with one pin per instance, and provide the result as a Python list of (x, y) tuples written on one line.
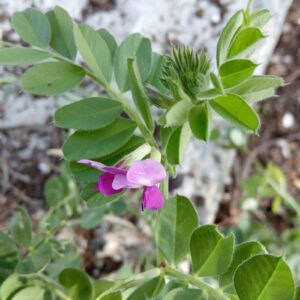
[(216, 294)]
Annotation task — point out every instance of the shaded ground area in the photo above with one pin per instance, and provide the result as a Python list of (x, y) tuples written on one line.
[(279, 137)]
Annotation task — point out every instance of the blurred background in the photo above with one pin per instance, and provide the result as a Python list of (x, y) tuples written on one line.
[(246, 184)]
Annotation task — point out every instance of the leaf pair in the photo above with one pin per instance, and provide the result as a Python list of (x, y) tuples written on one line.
[(245, 270)]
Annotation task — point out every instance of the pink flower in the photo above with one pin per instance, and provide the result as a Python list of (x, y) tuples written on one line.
[(146, 174)]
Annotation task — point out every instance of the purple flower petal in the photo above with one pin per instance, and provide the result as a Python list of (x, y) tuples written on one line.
[(152, 198), (104, 184), (121, 182), (146, 172), (102, 167)]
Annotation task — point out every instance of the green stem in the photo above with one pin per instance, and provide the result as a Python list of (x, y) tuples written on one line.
[(51, 285), (57, 206), (134, 116), (131, 113), (215, 293), (165, 188), (249, 5)]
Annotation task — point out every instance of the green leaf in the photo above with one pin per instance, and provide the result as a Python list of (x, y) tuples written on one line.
[(264, 277), (33, 27), (297, 296), (109, 40), (91, 217), (133, 46), (176, 222), (178, 114), (227, 36), (10, 286), (29, 293), (84, 174), (68, 260), (20, 227), (148, 290), (216, 81), (88, 114), (130, 146), (9, 256), (165, 134), (112, 296), (101, 286), (241, 253), (95, 199), (244, 41), (140, 97), (257, 88), (77, 284), (62, 39), (185, 293), (55, 190), (236, 110), (211, 252), (94, 51), (259, 18), (100, 142), (208, 94), (35, 261), (172, 285), (200, 121), (236, 71), (177, 144), (21, 56), (156, 72), (51, 78)]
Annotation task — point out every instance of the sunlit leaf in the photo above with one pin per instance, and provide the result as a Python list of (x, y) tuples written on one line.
[(29, 293), (257, 88), (236, 110), (178, 114), (100, 142), (109, 40), (148, 290), (88, 114), (177, 144), (140, 97), (33, 27), (62, 39), (236, 71), (21, 56), (77, 284), (211, 252), (94, 51), (176, 222), (227, 35), (51, 78), (264, 277), (241, 253), (133, 46), (244, 41), (199, 120)]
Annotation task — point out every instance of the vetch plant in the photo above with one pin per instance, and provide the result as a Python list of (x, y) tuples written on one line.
[(146, 174), (112, 135)]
